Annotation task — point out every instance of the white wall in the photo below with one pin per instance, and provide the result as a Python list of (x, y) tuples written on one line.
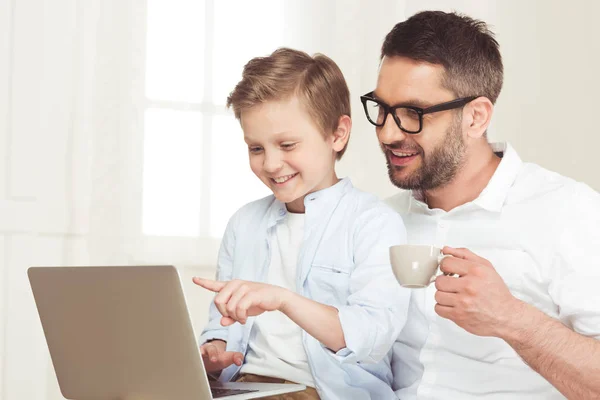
[(62, 201), (63, 197), (547, 108), (550, 101)]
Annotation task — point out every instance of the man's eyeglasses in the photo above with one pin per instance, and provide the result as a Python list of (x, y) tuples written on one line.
[(408, 118)]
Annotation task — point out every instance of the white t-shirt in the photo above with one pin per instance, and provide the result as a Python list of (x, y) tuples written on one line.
[(275, 348)]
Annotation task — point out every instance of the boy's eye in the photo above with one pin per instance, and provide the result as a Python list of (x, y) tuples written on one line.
[(254, 149), (288, 146)]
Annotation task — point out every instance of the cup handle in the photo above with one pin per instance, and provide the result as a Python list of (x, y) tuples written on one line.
[(440, 258)]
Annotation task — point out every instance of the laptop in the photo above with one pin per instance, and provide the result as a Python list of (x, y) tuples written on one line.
[(125, 333)]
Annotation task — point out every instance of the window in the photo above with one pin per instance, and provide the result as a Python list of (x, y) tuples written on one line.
[(196, 171)]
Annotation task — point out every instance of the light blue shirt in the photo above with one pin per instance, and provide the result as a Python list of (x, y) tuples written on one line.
[(344, 263)]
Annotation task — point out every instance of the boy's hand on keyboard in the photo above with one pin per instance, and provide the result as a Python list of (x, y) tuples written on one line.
[(237, 300), (216, 358)]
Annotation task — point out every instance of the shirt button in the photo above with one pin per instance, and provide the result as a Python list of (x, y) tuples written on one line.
[(281, 212)]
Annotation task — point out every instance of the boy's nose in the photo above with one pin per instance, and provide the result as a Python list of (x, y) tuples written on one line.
[(272, 163)]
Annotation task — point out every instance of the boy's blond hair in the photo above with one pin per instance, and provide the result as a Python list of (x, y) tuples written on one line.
[(317, 81)]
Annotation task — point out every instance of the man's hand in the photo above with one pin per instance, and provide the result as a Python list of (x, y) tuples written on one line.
[(237, 300), (216, 358), (477, 300)]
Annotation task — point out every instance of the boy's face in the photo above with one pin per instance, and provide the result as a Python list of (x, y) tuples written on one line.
[(288, 152)]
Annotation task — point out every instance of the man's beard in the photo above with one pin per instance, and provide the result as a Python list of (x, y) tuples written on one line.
[(439, 168)]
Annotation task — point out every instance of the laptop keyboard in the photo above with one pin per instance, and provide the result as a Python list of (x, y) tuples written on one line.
[(219, 392)]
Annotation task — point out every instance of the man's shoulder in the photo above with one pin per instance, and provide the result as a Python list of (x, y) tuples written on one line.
[(534, 181)]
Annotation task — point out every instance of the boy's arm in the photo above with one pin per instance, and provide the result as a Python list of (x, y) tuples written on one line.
[(237, 300), (366, 328), (377, 307), (363, 330)]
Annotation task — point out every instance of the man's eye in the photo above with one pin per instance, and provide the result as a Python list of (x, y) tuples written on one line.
[(413, 114), (407, 114), (254, 149)]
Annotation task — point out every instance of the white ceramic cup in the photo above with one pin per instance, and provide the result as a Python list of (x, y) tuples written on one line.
[(415, 266)]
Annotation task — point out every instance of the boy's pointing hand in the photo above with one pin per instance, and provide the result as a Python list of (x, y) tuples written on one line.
[(237, 300)]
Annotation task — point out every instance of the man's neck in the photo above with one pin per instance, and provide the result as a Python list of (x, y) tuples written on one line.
[(468, 183)]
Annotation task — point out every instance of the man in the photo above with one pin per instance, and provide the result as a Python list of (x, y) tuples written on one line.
[(520, 318)]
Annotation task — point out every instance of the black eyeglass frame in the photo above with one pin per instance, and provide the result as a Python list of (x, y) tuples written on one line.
[(449, 105)]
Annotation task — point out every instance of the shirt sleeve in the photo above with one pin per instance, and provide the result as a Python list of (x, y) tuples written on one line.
[(575, 282), (377, 307), (214, 329)]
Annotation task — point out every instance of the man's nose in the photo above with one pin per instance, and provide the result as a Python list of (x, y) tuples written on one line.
[(390, 132)]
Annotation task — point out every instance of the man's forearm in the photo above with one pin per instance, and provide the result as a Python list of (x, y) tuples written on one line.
[(568, 360), (319, 320)]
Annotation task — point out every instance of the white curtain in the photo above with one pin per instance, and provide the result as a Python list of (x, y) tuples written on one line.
[(78, 170), (72, 143), (348, 31)]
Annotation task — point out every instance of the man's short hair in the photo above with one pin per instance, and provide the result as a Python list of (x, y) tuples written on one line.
[(317, 81), (465, 47)]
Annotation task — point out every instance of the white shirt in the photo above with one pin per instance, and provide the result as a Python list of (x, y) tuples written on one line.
[(541, 231), (275, 348)]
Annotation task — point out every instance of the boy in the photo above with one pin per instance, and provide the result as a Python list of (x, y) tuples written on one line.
[(316, 250)]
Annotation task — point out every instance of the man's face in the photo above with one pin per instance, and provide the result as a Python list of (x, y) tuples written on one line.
[(431, 158)]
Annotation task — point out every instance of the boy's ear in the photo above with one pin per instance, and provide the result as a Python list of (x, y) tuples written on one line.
[(342, 133)]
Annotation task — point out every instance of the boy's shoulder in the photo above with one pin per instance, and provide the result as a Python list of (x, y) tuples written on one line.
[(364, 204), (366, 214), (257, 208), (354, 205)]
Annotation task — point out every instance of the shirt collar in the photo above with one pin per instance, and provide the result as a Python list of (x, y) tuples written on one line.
[(494, 194), (322, 202)]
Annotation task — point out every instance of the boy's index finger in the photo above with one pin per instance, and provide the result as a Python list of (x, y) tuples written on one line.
[(212, 285)]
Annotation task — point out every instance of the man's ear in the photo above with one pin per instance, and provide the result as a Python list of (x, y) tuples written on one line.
[(477, 117), (342, 134)]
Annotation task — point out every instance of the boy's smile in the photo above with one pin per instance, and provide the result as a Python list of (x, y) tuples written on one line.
[(284, 179)]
